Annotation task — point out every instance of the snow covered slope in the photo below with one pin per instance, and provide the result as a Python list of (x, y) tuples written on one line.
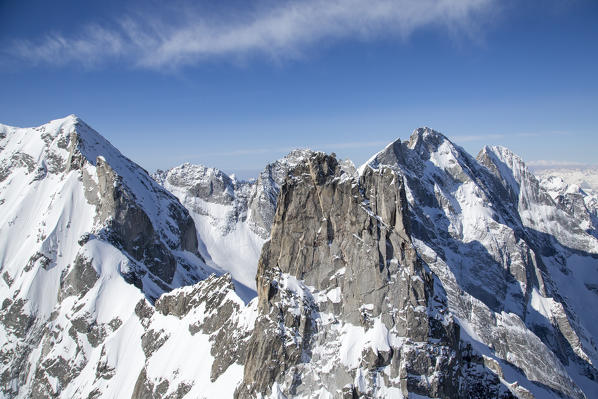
[(581, 204), (518, 269), (233, 218), (586, 178), (87, 237)]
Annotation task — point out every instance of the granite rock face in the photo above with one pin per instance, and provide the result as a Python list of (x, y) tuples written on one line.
[(129, 227), (501, 258), (263, 200), (346, 306)]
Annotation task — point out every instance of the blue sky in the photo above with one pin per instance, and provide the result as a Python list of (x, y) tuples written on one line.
[(239, 84)]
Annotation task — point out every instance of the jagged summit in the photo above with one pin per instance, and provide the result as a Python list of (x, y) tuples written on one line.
[(69, 120), (392, 154), (498, 155), (47, 143), (425, 150), (494, 207), (67, 154), (296, 155), (201, 180), (427, 137), (52, 125)]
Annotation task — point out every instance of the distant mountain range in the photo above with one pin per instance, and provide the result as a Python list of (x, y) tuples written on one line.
[(584, 177), (424, 273)]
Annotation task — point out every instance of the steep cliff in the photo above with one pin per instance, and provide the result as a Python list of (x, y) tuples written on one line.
[(346, 306), (517, 268)]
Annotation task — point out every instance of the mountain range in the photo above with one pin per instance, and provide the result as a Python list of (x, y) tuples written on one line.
[(584, 177), (424, 273)]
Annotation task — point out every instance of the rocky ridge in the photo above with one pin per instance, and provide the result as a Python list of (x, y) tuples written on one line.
[(510, 259)]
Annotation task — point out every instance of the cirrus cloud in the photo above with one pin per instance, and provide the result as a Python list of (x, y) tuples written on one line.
[(282, 31)]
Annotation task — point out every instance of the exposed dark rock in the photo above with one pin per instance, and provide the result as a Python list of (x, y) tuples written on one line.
[(145, 389), (152, 340), (115, 323), (341, 249), (103, 370), (15, 319), (39, 258), (79, 280), (144, 311), (94, 332), (219, 318)]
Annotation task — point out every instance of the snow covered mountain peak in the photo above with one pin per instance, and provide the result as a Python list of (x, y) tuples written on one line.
[(200, 181), (54, 127), (584, 177), (501, 161), (425, 136), (424, 142), (492, 208), (66, 159), (427, 152), (88, 241), (62, 145), (502, 153), (582, 204)]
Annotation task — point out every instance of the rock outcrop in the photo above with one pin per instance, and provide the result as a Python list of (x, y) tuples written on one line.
[(346, 306)]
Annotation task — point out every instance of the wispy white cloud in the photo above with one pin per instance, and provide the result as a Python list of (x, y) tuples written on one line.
[(91, 47), (284, 30)]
